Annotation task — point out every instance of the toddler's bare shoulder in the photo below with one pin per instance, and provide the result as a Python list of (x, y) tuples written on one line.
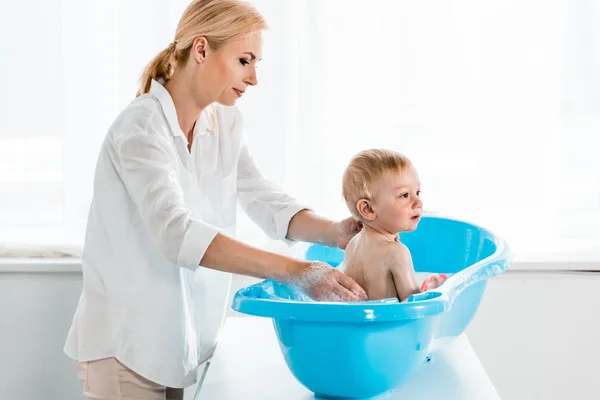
[(398, 253)]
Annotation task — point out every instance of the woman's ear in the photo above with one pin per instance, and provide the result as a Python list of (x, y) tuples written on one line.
[(199, 49), (364, 208)]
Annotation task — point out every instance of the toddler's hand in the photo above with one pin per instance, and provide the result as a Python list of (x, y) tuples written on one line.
[(433, 281)]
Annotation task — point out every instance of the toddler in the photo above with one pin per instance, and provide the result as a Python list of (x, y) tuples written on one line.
[(382, 190)]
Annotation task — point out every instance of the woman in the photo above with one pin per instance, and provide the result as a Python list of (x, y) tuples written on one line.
[(158, 253)]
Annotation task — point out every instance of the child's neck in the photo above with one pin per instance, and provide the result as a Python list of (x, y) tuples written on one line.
[(379, 233)]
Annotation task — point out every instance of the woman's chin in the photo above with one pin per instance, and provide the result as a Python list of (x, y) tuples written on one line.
[(228, 100)]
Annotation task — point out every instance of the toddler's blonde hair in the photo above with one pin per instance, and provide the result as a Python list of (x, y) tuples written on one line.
[(364, 170)]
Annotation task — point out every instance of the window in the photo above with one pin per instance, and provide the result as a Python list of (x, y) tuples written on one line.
[(496, 102), (69, 66)]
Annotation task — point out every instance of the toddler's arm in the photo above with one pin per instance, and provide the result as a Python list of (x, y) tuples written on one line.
[(403, 273)]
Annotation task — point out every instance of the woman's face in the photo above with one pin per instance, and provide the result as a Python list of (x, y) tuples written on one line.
[(224, 75)]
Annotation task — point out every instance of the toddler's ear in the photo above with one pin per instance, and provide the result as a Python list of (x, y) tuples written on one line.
[(366, 211)]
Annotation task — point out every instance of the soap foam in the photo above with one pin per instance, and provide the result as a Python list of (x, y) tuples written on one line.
[(311, 283)]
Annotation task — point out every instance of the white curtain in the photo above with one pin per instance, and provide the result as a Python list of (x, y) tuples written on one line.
[(68, 67), (496, 102)]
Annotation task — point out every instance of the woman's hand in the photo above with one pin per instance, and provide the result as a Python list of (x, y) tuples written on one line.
[(346, 230), (319, 280), (322, 282)]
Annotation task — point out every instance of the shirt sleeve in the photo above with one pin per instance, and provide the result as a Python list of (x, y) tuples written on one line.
[(145, 162), (263, 201)]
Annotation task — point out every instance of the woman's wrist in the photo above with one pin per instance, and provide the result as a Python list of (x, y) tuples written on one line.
[(309, 227), (331, 234), (307, 275), (292, 271)]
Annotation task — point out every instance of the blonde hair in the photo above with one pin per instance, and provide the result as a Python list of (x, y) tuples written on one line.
[(219, 21), (364, 170)]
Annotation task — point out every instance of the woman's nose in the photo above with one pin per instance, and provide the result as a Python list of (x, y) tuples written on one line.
[(252, 80)]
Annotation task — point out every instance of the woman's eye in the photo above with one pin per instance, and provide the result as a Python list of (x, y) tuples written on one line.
[(244, 62)]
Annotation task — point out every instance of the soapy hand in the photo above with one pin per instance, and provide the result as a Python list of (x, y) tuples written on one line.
[(322, 282)]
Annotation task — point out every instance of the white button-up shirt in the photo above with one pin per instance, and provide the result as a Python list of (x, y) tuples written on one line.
[(155, 210)]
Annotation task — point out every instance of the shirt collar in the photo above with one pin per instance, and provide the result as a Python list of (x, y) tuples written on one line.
[(168, 107)]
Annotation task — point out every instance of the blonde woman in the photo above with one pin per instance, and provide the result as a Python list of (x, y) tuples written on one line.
[(159, 251)]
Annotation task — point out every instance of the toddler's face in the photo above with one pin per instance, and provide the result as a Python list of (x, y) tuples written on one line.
[(397, 203)]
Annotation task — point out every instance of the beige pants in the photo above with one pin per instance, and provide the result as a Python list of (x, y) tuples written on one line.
[(108, 379)]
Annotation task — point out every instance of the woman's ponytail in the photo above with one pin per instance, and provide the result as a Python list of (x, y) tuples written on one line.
[(161, 66)]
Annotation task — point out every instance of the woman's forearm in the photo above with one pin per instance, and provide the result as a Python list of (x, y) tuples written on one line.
[(307, 226), (319, 280), (230, 255)]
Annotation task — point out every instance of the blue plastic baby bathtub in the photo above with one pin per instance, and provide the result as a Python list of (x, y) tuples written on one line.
[(365, 349)]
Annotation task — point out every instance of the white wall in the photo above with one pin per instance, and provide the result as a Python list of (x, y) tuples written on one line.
[(535, 333), (37, 302), (36, 310)]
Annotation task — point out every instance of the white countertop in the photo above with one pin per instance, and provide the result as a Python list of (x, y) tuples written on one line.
[(248, 365), (40, 265)]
